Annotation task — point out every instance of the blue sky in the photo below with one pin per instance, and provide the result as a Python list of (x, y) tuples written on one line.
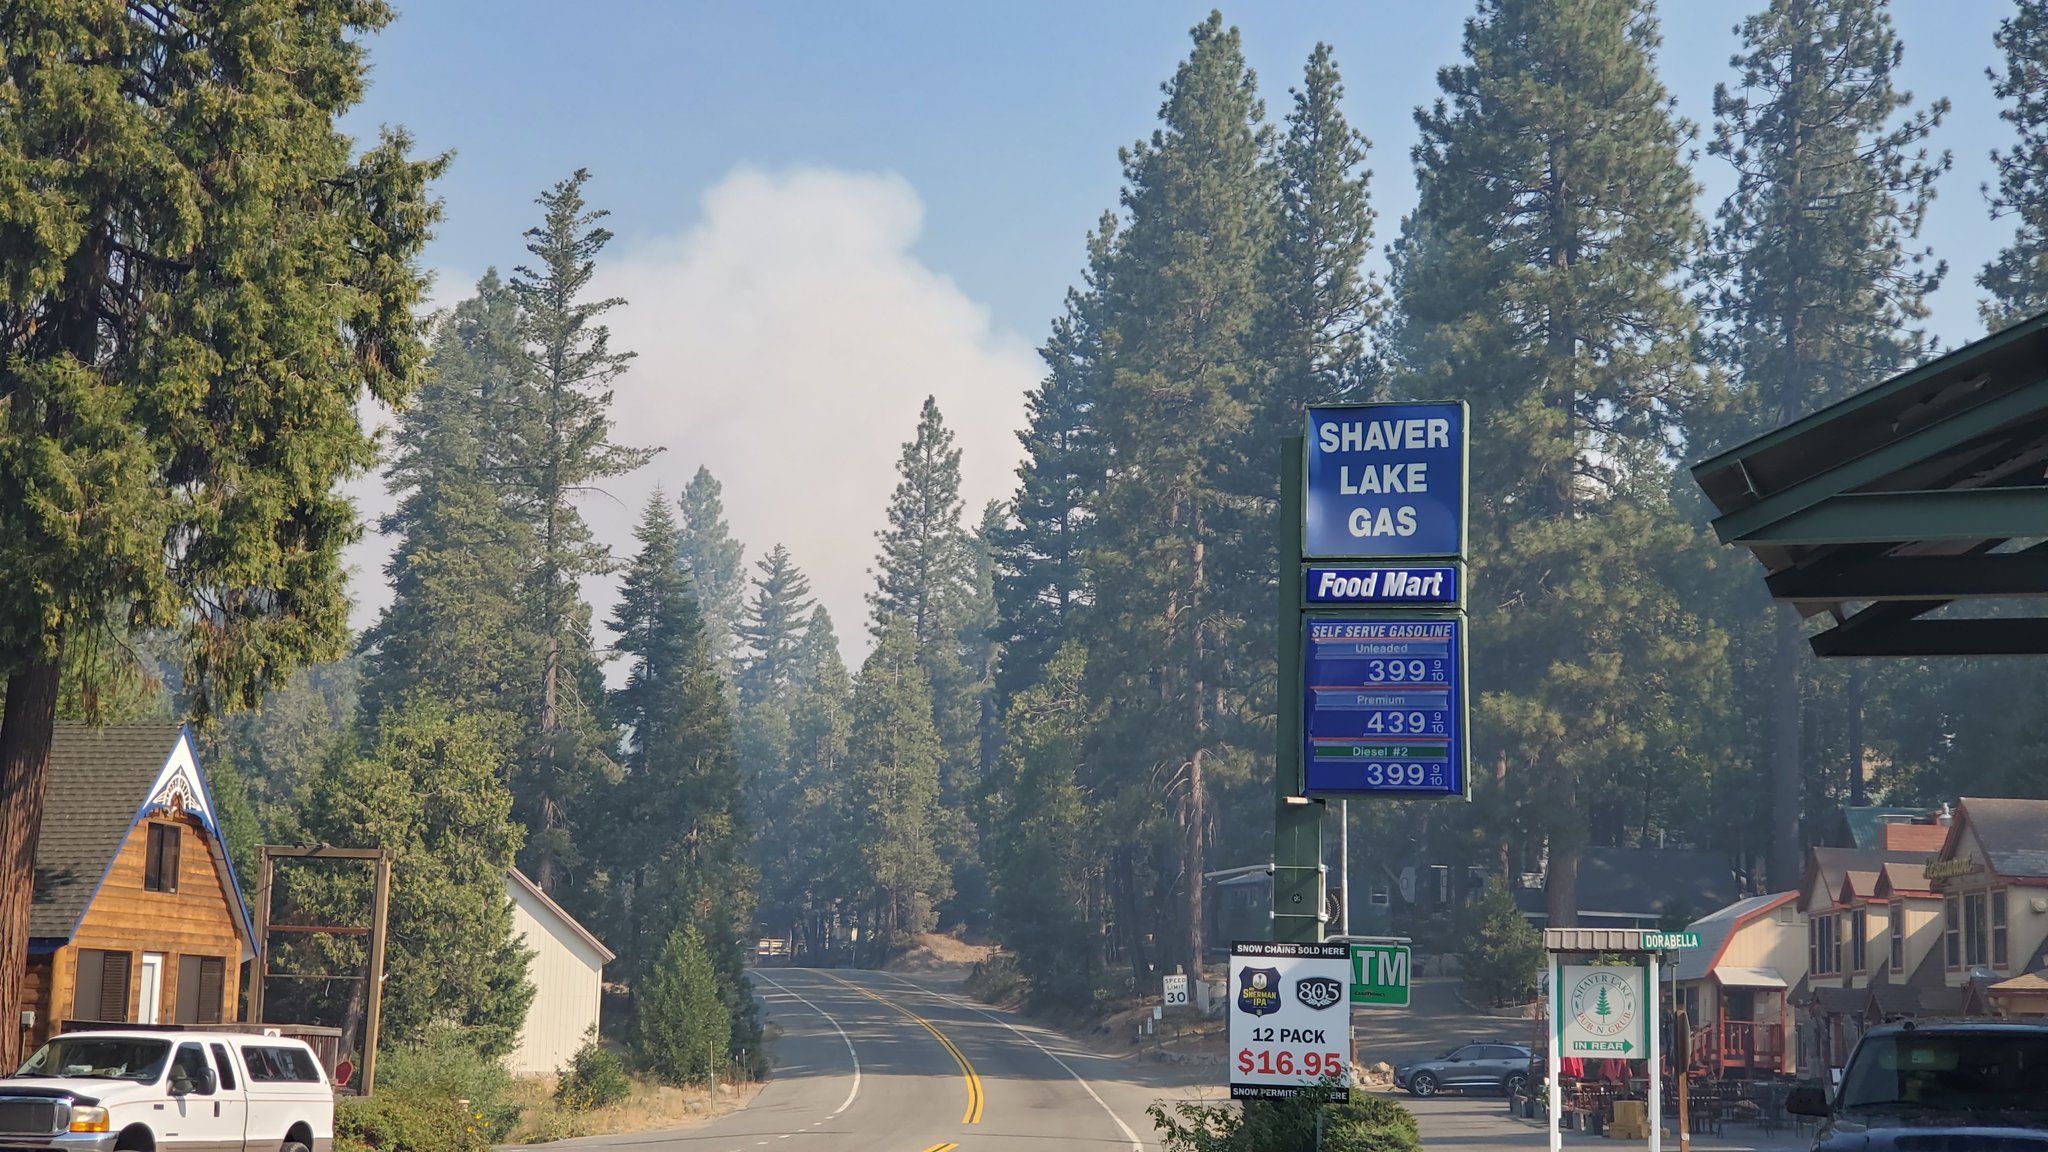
[(826, 210)]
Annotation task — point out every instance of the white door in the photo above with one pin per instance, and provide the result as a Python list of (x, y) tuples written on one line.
[(152, 992)]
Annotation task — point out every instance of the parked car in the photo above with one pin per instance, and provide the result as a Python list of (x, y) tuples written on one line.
[(1490, 1065), (168, 1092), (1946, 1085)]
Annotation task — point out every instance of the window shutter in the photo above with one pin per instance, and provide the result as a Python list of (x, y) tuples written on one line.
[(114, 987), (85, 992), (212, 976)]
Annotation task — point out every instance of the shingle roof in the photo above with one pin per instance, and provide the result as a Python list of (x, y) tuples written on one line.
[(1867, 826), (2014, 833), (1901, 877), (1915, 837), (1833, 864), (1647, 882), (1716, 927), (99, 779)]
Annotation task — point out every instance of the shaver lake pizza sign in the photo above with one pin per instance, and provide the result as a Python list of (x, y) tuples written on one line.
[(1602, 1011)]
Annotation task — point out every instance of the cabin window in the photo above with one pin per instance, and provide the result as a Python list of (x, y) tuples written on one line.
[(1976, 934), (100, 993), (1824, 945), (1998, 935), (1859, 927), (200, 982), (1952, 929), (160, 868), (1898, 922)]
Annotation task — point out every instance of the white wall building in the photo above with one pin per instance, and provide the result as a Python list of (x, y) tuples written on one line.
[(567, 971)]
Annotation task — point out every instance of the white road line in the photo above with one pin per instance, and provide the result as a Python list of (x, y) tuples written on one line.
[(1019, 1033), (850, 1053)]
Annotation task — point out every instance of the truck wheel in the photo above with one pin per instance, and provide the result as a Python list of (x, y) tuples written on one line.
[(294, 1146)]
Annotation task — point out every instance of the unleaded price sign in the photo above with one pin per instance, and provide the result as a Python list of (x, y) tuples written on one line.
[(1382, 706), (1290, 1018)]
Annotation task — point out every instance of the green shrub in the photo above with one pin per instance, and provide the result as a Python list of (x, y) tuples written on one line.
[(595, 1078), (395, 1123), (1502, 954), (1369, 1123), (1366, 1123), (442, 1068), (996, 980)]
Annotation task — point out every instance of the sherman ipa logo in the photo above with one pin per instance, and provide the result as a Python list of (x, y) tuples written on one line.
[(1258, 991), (1319, 992), (1603, 1010)]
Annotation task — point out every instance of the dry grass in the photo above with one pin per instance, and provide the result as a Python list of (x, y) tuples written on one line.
[(651, 1108), (934, 952)]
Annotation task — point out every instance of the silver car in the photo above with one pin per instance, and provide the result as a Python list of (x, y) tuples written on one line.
[(1504, 1067)]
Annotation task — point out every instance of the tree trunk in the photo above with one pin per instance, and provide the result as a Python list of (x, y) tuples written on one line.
[(26, 727), (1857, 798), (1191, 863), (1785, 733), (544, 871), (1561, 886)]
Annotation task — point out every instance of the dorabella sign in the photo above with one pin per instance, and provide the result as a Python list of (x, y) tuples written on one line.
[(1385, 481), (1290, 1018)]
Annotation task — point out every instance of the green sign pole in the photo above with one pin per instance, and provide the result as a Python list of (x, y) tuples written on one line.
[(1297, 823)]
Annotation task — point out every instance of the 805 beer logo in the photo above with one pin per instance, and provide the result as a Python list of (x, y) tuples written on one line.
[(1319, 992)]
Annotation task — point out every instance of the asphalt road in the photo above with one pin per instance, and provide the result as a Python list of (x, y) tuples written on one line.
[(872, 1062)]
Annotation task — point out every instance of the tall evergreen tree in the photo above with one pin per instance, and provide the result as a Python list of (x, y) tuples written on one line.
[(1321, 302), (676, 835), (1815, 292), (893, 782), (193, 304), (2018, 278), (1538, 276), (774, 626), (716, 564), (558, 447), (1179, 396), (429, 789), (809, 871), (1040, 578), (458, 627)]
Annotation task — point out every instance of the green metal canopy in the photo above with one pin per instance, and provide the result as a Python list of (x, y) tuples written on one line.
[(1887, 507)]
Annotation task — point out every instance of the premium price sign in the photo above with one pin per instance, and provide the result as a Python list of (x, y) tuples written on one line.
[(1290, 1018), (1383, 706)]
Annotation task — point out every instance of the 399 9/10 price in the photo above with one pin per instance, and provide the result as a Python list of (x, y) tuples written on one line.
[(1266, 1062)]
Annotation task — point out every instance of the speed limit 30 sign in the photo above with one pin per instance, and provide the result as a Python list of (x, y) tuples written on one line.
[(1290, 1018)]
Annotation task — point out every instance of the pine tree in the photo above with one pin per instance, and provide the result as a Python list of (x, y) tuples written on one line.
[(429, 789), (893, 782), (809, 876), (1179, 395), (773, 627), (1538, 277), (458, 627), (716, 564), (681, 1028), (1040, 580), (1814, 290), (195, 302), (557, 447), (2018, 278), (1321, 303), (1043, 847), (676, 835), (1501, 954)]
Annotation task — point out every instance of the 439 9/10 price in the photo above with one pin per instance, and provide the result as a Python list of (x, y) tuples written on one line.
[(1267, 1062)]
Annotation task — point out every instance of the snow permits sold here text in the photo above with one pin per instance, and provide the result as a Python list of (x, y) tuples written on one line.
[(1290, 1018)]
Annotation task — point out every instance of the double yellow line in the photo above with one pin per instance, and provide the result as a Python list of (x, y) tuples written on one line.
[(942, 1148), (967, 1073)]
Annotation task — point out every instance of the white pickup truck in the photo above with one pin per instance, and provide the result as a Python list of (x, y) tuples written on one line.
[(168, 1092)]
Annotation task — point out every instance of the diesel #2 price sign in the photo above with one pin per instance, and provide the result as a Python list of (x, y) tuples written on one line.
[(1290, 1018), (1383, 706), (1385, 481)]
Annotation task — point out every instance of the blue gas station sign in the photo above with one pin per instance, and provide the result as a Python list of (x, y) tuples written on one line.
[(1420, 585), (1383, 707), (1385, 481)]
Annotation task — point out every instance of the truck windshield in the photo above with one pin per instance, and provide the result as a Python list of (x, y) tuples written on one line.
[(1952, 1072), (99, 1057)]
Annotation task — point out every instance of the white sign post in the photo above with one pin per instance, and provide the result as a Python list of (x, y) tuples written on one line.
[(1605, 1012), (1290, 1018), (1176, 991)]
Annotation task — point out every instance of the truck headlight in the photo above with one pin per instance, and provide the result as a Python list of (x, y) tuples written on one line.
[(88, 1119)]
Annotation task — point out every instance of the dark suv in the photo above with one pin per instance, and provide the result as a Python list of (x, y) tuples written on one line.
[(1959, 1085), (1489, 1065)]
